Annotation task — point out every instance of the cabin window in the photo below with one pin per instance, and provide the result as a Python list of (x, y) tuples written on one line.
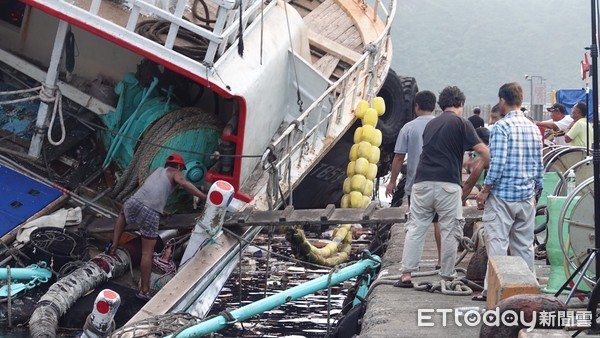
[(12, 12)]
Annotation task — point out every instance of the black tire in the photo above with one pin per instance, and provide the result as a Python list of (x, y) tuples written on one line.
[(398, 94), (323, 185)]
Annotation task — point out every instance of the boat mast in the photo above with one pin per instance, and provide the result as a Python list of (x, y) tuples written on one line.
[(41, 123)]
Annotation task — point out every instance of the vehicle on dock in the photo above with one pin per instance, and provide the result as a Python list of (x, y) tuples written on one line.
[(257, 94)]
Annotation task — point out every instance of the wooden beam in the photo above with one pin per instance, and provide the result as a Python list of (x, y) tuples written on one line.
[(289, 216), (327, 64), (362, 16), (331, 47), (74, 94)]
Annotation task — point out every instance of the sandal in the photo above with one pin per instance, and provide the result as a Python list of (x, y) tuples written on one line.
[(143, 296), (479, 298), (407, 284)]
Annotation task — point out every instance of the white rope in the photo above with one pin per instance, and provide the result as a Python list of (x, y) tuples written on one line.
[(22, 91), (47, 94)]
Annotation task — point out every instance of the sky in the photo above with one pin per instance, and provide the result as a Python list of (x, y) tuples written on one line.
[(480, 45)]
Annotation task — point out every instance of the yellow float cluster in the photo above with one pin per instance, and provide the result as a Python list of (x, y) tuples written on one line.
[(364, 155)]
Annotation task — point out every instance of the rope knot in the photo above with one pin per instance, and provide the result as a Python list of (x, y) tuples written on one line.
[(49, 93)]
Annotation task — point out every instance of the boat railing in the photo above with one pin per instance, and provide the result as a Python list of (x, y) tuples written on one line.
[(223, 33), (327, 118), (224, 30)]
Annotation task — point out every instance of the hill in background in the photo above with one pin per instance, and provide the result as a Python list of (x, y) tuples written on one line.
[(479, 45)]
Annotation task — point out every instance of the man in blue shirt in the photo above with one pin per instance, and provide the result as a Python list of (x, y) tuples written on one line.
[(514, 177)]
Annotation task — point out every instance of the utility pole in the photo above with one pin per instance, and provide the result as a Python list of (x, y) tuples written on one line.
[(535, 109)]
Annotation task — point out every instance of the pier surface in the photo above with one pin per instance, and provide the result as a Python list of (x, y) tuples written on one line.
[(393, 311)]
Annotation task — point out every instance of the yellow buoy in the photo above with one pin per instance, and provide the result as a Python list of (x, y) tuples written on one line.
[(367, 133), (358, 135), (372, 173), (361, 108), (361, 167), (379, 105), (357, 183), (354, 152), (347, 187), (370, 117), (375, 152), (368, 188), (366, 200), (377, 138), (356, 199), (350, 169), (364, 149), (346, 201)]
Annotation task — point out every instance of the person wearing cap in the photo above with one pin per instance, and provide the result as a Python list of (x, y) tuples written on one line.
[(580, 133), (144, 209), (559, 123), (475, 119)]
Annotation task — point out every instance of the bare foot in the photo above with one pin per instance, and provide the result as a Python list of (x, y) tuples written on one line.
[(113, 250)]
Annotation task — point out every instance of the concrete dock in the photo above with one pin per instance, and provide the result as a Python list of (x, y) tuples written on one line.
[(394, 312)]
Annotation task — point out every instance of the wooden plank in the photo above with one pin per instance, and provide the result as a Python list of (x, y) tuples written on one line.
[(369, 211), (318, 13), (338, 26), (331, 47), (289, 217), (327, 212), (362, 18), (327, 64), (351, 39)]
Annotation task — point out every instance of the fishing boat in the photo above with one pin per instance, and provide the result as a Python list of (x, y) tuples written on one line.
[(257, 94)]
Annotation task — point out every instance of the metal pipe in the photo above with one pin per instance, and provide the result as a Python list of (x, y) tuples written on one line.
[(30, 272), (596, 144), (217, 323), (51, 80)]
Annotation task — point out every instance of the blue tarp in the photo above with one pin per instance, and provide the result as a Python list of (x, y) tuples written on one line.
[(570, 97), (20, 198)]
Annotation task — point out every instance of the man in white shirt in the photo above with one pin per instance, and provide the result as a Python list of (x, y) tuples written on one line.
[(559, 123)]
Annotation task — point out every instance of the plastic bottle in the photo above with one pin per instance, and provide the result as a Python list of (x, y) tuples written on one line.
[(570, 182)]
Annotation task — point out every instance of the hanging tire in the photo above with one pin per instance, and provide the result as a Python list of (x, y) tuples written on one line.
[(398, 93)]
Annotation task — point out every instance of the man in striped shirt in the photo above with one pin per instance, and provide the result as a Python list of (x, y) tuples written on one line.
[(514, 177)]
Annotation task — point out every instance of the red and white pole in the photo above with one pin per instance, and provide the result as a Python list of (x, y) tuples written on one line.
[(100, 323), (210, 223)]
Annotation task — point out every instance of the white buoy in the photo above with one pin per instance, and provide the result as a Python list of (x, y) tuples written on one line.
[(100, 323)]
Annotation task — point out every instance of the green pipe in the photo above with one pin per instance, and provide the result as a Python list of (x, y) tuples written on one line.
[(30, 272), (220, 321)]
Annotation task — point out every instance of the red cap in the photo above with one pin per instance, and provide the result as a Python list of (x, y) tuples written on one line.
[(176, 158)]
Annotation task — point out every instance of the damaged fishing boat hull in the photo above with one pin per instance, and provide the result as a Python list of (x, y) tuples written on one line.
[(276, 80)]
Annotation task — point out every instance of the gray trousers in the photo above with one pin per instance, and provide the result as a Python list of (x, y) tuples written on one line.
[(509, 225), (426, 199)]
